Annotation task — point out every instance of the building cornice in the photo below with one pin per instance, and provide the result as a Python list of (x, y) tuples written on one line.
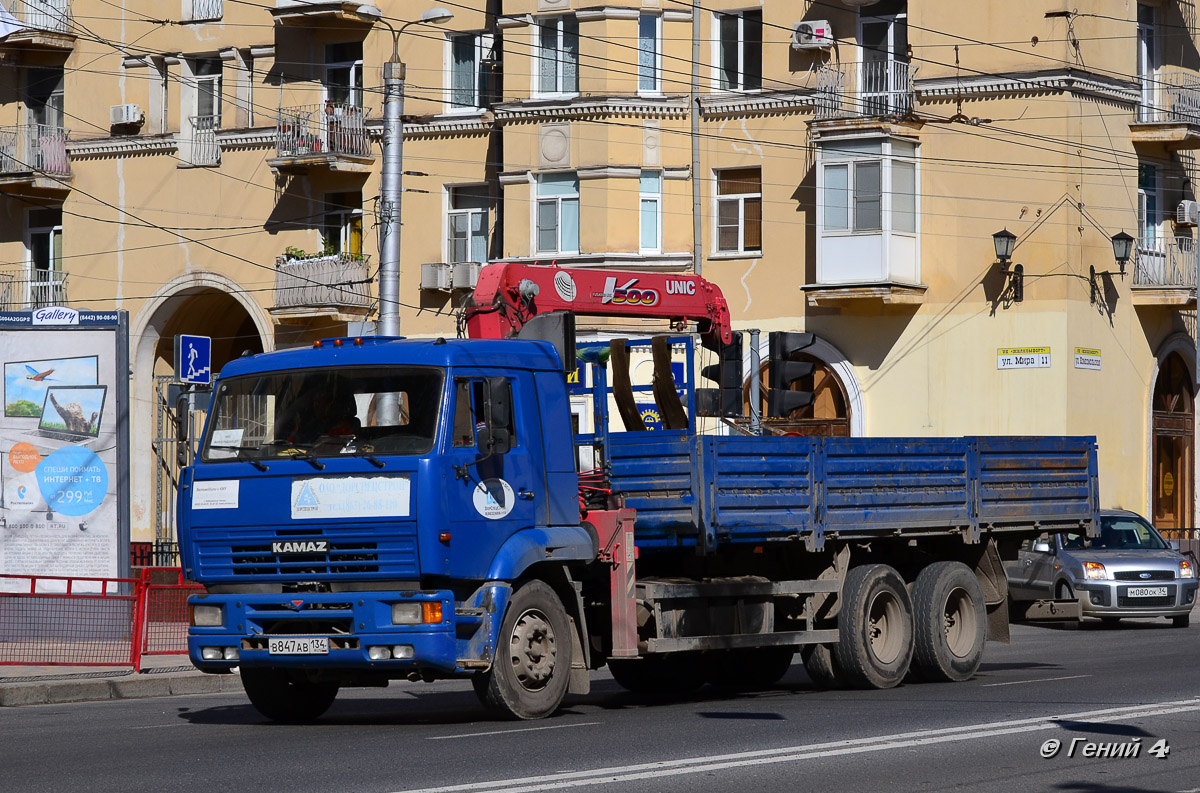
[(253, 138), (1029, 83), (449, 125), (120, 147), (592, 107), (515, 21), (606, 12), (610, 172), (677, 16), (661, 262), (765, 103)]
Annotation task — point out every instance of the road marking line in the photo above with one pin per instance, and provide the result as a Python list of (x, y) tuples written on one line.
[(695, 765), (1036, 680), (510, 732)]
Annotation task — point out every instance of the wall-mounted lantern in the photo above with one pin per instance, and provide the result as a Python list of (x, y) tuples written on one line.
[(1122, 249)]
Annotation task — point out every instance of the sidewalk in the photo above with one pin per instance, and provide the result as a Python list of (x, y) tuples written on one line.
[(161, 676)]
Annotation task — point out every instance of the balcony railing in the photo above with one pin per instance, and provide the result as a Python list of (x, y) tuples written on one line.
[(207, 9), (32, 148), (204, 147), (1165, 261), (336, 281), (1170, 97), (26, 290), (330, 128), (864, 90), (53, 16)]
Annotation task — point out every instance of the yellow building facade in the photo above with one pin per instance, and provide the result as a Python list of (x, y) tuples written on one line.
[(213, 167)]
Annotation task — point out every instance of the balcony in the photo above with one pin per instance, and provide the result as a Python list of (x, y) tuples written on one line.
[(334, 286), (200, 149), (1169, 111), (204, 10), (879, 89), (1164, 272), (318, 12), (34, 156), (331, 137), (25, 290), (46, 25)]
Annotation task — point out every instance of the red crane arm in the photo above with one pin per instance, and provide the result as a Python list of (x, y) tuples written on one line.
[(508, 295)]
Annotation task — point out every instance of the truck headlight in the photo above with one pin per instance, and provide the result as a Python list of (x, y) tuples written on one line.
[(1187, 569), (208, 616), (427, 612), (1094, 571)]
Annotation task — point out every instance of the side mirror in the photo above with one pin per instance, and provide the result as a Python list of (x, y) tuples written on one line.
[(494, 437), (1041, 546), (493, 441)]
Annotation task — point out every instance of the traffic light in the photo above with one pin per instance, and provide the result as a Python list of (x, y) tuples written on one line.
[(782, 372), (725, 400)]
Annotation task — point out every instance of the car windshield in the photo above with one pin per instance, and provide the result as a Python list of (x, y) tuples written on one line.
[(327, 412), (1123, 533)]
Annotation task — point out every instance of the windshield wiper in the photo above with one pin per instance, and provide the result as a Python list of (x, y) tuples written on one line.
[(308, 457), (259, 464)]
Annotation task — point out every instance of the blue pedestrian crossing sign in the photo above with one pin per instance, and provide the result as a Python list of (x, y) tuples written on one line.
[(193, 359)]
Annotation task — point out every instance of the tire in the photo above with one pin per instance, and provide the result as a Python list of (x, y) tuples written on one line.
[(950, 623), (751, 669), (1110, 622), (820, 666), (1064, 592), (1181, 621), (661, 675), (875, 628), (285, 696), (532, 668)]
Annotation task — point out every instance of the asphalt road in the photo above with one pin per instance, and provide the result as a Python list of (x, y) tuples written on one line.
[(1131, 688)]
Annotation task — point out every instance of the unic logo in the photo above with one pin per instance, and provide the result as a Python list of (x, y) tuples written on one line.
[(628, 294)]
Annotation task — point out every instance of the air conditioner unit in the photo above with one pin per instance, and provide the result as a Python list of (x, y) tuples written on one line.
[(435, 275), (812, 35), (125, 114), (1187, 213), (466, 275)]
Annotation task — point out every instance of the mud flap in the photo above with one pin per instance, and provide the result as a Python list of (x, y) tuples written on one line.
[(997, 622), (581, 678)]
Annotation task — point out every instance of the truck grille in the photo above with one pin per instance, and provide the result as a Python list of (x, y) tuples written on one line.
[(1150, 575), (343, 557), (350, 552)]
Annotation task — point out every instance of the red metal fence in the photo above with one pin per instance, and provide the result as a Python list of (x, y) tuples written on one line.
[(59, 620)]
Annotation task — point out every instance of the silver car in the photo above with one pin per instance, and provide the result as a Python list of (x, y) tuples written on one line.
[(1128, 571)]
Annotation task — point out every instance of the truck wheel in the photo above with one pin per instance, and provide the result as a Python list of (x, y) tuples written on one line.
[(286, 696), (529, 677), (663, 675), (950, 622), (751, 669), (875, 628), (819, 663)]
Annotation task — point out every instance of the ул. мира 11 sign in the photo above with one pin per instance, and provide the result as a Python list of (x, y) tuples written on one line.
[(1023, 358)]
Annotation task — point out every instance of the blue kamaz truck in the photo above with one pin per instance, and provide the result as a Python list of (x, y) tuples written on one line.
[(370, 510)]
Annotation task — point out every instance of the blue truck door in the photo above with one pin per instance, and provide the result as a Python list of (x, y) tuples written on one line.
[(505, 492)]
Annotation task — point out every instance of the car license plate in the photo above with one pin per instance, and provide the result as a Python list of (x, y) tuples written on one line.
[(305, 645), (1147, 591)]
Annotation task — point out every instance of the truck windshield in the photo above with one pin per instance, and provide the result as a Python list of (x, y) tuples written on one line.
[(327, 412)]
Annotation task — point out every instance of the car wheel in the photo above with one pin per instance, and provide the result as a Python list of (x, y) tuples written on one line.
[(1181, 621), (1065, 592), (1111, 622)]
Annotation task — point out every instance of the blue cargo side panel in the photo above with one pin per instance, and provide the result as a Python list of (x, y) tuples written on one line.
[(895, 483), (762, 488), (1048, 480), (658, 474)]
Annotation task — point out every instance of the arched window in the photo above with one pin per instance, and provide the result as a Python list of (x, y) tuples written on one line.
[(828, 416)]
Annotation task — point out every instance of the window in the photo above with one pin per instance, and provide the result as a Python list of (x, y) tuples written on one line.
[(557, 216), (739, 39), (342, 232), (739, 210), (207, 72), (1148, 203), (470, 71), (651, 212), (44, 96), (883, 35), (470, 398), (45, 257), (649, 53), (558, 56), (854, 186), (1146, 61), (344, 74), (467, 224)]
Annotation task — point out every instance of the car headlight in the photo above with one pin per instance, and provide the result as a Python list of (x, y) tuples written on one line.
[(208, 616), (1094, 571), (1187, 569)]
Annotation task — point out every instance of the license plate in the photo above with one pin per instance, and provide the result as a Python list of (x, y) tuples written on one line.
[(310, 645), (1147, 592)]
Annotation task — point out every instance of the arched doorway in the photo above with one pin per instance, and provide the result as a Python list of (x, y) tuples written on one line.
[(1174, 422), (827, 417)]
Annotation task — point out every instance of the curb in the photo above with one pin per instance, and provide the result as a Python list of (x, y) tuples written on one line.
[(142, 687)]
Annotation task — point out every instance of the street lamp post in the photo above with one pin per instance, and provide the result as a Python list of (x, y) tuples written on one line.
[(391, 182)]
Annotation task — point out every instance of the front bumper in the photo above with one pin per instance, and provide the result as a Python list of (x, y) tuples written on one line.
[(352, 622), (1111, 598)]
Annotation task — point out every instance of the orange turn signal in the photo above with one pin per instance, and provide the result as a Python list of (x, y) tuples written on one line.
[(431, 611)]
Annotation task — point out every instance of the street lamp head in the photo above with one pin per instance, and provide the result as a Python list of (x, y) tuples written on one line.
[(437, 16), (369, 12), (1004, 242), (1122, 248)]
